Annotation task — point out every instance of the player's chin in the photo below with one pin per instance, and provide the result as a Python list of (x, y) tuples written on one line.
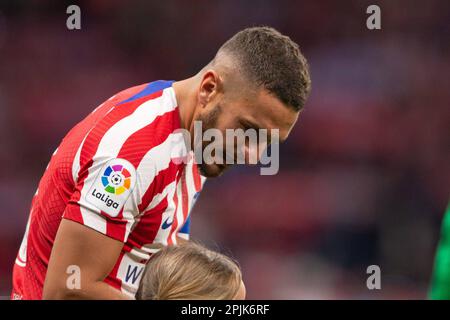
[(212, 170)]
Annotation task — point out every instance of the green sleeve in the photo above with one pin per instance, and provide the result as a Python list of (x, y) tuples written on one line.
[(440, 282)]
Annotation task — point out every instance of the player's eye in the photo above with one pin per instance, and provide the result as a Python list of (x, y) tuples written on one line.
[(246, 126)]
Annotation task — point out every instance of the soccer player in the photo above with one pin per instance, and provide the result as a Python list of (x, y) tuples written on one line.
[(112, 193), (190, 272)]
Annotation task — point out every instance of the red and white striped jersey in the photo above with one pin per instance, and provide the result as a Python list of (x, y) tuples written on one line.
[(115, 172)]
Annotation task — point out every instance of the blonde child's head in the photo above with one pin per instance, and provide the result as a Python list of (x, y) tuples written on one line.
[(190, 271)]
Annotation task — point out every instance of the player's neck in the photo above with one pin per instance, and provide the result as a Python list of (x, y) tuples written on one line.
[(185, 94)]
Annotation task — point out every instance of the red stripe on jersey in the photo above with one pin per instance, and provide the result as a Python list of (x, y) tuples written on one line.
[(184, 192), (197, 178), (147, 227), (175, 219), (73, 211), (149, 218), (162, 179), (115, 227), (152, 135), (94, 138), (112, 279), (184, 205)]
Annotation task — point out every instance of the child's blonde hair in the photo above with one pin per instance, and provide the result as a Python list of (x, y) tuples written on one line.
[(189, 271)]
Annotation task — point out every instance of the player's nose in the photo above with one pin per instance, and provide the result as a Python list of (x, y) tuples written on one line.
[(253, 153)]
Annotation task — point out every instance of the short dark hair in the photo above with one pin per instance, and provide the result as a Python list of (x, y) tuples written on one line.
[(272, 60)]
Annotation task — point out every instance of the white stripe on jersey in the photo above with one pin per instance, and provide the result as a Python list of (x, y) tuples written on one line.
[(191, 193), (110, 98), (144, 115), (188, 181), (190, 184), (179, 213), (184, 236), (168, 191), (93, 220), (76, 161), (21, 258), (155, 160), (168, 214), (145, 251)]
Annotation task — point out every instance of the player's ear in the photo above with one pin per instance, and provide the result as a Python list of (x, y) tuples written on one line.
[(209, 87)]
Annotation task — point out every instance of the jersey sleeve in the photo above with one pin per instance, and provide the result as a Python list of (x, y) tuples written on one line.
[(106, 197)]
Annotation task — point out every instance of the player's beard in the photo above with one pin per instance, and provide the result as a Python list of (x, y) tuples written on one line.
[(209, 121)]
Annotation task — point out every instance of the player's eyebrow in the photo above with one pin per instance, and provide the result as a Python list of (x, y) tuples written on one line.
[(250, 123), (254, 125)]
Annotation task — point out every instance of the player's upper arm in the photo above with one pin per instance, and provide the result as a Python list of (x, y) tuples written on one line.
[(96, 223), (81, 258)]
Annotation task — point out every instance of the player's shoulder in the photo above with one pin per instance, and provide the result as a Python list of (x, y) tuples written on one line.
[(140, 119), (142, 92), (136, 107)]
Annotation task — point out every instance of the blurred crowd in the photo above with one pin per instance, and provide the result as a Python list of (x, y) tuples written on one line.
[(364, 177)]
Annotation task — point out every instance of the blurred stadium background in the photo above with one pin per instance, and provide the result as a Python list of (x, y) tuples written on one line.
[(364, 177)]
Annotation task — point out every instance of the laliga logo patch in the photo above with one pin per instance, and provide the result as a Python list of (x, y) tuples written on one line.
[(116, 179), (112, 186)]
